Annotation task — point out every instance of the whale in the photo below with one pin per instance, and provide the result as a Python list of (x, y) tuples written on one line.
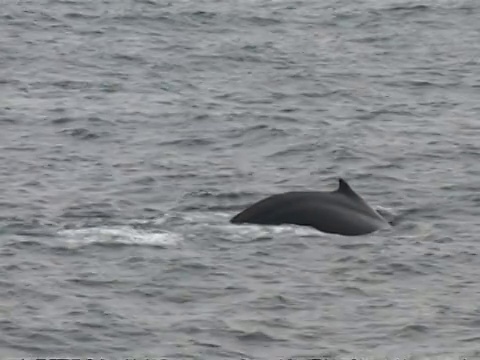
[(341, 211)]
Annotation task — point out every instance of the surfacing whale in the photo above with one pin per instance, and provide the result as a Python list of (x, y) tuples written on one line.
[(342, 211)]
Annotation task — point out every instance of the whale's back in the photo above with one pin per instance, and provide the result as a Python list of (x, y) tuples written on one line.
[(340, 212)]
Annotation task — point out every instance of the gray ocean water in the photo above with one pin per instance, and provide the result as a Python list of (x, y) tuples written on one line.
[(132, 131)]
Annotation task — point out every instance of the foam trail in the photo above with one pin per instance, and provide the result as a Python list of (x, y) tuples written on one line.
[(118, 236)]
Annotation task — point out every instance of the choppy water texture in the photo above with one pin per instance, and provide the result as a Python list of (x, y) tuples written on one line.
[(131, 131)]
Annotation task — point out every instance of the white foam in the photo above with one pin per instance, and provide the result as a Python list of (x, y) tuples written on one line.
[(118, 235), (249, 230), (220, 221), (384, 211)]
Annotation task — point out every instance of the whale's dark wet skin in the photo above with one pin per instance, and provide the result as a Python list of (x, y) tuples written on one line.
[(342, 211)]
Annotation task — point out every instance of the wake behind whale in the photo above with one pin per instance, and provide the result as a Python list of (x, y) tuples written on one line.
[(342, 211)]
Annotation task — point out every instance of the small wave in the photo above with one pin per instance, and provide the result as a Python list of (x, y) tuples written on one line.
[(63, 120), (187, 142), (76, 15), (202, 14), (256, 336), (81, 133), (223, 195), (471, 339), (408, 7), (397, 267), (412, 330), (354, 291), (354, 246), (262, 21), (118, 236), (72, 84), (294, 149)]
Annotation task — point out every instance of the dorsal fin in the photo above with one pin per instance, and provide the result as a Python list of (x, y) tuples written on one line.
[(345, 189)]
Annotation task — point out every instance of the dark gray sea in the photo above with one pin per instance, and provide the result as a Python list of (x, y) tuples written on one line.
[(132, 131)]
